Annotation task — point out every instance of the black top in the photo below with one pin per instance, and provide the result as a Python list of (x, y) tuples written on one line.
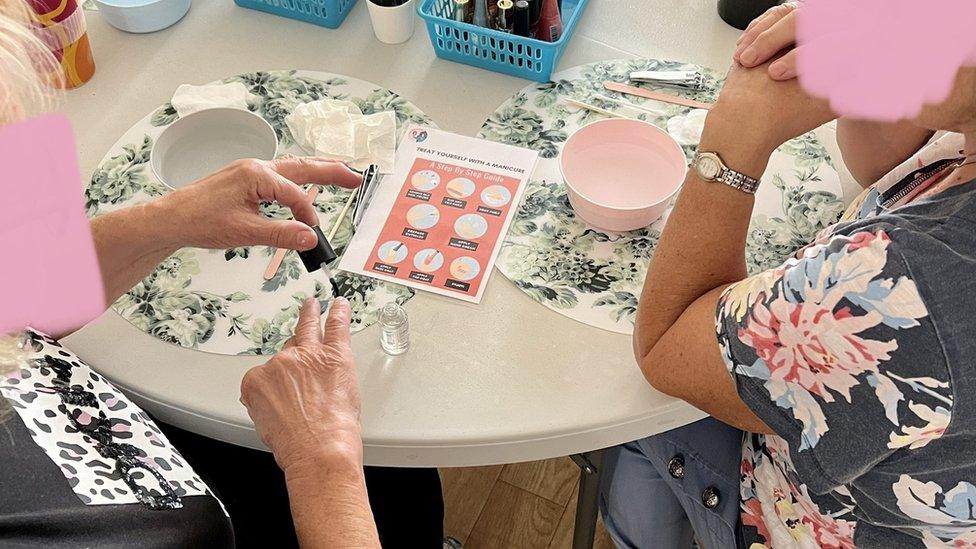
[(82, 466)]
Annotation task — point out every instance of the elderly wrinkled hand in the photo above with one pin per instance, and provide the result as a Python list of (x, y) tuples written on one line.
[(305, 401), (222, 210)]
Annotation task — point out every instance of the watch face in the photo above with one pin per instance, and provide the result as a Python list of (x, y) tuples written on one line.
[(708, 167)]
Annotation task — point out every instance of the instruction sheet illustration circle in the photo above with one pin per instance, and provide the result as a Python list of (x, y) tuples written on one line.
[(423, 216), (471, 226), (393, 252), (496, 196), (426, 180), (465, 268), (460, 187), (428, 260)]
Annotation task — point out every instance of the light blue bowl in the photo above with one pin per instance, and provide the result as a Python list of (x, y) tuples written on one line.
[(142, 15)]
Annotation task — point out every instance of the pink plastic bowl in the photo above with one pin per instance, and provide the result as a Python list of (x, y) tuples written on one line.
[(621, 173)]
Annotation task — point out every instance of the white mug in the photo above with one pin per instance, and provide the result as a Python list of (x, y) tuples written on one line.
[(392, 25)]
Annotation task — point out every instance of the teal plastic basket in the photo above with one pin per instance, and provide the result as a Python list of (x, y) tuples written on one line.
[(495, 50), (325, 13)]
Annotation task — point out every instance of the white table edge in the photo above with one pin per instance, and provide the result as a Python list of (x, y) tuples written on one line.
[(463, 453)]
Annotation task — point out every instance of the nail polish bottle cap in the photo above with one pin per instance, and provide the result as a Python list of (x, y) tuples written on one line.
[(461, 8), (522, 18), (321, 253), (503, 20), (535, 10)]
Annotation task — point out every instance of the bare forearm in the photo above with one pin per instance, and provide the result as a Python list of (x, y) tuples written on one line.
[(130, 243), (702, 249), (872, 149), (702, 246), (700, 253), (329, 503), (686, 363)]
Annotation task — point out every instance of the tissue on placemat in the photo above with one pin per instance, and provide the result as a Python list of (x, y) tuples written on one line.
[(339, 130), (687, 129), (189, 99)]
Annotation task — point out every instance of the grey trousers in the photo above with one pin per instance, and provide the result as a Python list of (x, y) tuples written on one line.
[(662, 491)]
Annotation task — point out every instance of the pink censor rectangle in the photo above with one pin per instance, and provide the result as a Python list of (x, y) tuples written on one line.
[(883, 59), (50, 278)]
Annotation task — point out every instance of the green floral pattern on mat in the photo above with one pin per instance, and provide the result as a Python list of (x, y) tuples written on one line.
[(596, 276), (218, 300)]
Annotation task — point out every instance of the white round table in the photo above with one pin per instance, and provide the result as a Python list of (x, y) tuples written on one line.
[(514, 381)]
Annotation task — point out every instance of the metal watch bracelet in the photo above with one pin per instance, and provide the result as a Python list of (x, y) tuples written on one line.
[(710, 167), (739, 181)]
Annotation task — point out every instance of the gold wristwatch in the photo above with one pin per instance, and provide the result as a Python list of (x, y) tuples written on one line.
[(710, 167)]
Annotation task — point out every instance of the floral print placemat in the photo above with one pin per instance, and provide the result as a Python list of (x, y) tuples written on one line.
[(217, 300), (595, 276)]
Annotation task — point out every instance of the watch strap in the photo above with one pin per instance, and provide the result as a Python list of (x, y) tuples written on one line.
[(728, 176), (739, 181)]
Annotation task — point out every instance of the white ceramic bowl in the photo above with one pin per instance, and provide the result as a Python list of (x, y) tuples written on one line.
[(141, 16), (205, 141), (620, 174)]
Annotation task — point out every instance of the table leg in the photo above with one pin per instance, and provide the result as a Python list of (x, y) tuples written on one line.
[(589, 492)]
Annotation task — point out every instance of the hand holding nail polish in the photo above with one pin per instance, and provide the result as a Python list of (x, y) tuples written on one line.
[(223, 210), (320, 257)]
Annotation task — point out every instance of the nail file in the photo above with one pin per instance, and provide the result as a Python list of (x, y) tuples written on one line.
[(279, 255), (657, 96)]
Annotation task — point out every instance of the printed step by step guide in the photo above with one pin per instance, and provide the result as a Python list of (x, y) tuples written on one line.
[(437, 222)]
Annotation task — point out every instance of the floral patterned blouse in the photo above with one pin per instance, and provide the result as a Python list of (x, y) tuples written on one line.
[(859, 354)]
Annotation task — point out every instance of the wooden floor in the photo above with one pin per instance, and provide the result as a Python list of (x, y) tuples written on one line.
[(520, 506)]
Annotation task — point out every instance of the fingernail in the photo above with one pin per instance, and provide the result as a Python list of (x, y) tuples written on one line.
[(748, 55), (777, 70), (306, 240)]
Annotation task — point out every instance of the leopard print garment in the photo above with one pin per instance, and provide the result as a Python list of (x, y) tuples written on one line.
[(108, 449)]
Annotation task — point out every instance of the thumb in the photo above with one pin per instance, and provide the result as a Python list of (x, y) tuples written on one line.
[(337, 323), (287, 234)]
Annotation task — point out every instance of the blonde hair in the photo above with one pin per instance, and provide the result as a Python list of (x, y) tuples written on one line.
[(11, 353), (27, 88), (29, 74)]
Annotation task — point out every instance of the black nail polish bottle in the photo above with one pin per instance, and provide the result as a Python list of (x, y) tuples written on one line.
[(320, 257)]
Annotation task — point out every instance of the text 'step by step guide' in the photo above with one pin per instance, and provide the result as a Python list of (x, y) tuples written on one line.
[(436, 224)]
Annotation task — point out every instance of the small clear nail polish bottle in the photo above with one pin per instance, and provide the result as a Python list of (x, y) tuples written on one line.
[(394, 329)]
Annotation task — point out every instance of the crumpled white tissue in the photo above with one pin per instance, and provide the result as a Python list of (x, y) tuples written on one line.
[(339, 130), (687, 129), (189, 99)]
